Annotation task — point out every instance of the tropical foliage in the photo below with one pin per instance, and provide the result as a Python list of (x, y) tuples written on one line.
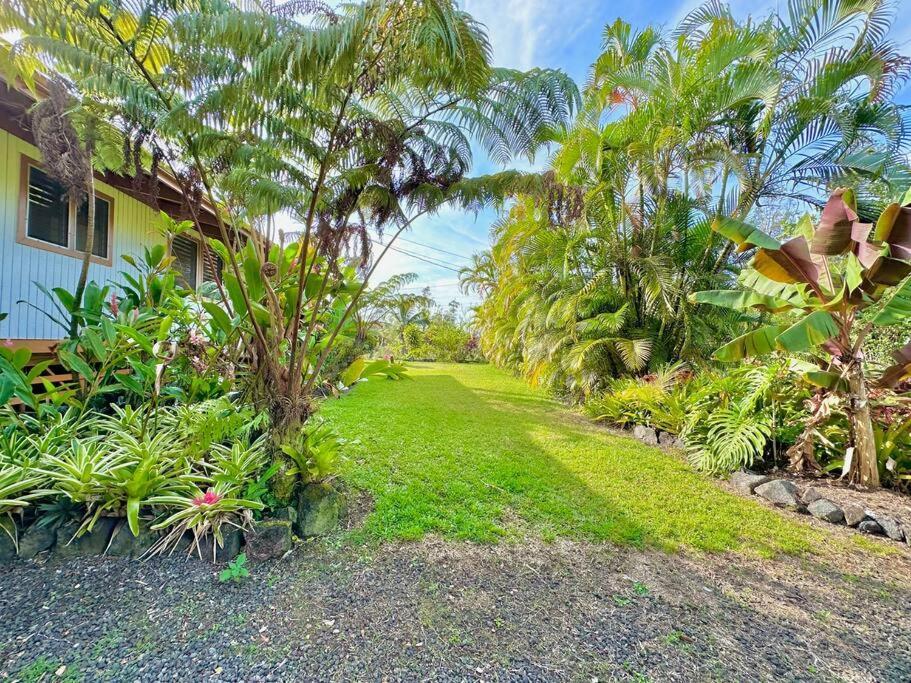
[(349, 120), (819, 283), (589, 276)]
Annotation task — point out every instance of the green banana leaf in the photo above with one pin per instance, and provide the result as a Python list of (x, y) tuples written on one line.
[(756, 343), (808, 333)]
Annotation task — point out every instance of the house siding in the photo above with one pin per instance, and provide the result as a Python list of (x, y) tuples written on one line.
[(21, 265)]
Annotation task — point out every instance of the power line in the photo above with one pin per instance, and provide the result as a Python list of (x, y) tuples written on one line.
[(419, 257), (442, 251)]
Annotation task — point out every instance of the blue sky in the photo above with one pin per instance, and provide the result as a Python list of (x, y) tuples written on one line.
[(563, 34)]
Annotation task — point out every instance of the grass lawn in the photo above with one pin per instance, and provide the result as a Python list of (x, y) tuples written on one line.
[(469, 452)]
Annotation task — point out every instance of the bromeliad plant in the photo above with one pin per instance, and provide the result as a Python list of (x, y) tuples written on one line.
[(818, 284)]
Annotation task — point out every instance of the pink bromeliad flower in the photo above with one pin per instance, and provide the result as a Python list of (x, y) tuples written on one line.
[(209, 498), (115, 304)]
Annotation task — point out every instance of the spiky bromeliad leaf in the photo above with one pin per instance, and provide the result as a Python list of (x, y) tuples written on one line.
[(811, 331), (740, 300), (756, 343)]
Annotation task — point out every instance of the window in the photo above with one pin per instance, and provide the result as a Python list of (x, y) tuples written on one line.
[(102, 221), (190, 261), (48, 209), (186, 254), (49, 220)]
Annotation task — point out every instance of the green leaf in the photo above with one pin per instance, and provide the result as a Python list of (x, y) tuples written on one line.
[(133, 515), (164, 329), (6, 389), (826, 380), (130, 383), (743, 235), (66, 299), (756, 343), (353, 373), (897, 308), (235, 292), (219, 317), (740, 300), (20, 357), (75, 363), (854, 273), (808, 333)]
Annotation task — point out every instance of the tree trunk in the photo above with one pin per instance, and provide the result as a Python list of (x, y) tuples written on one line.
[(87, 256), (864, 465)]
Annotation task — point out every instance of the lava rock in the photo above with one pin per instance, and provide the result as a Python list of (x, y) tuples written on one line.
[(37, 539), (781, 492), (854, 514), (646, 435), (870, 526), (268, 540), (822, 508), (125, 544), (319, 509), (811, 494), (93, 542), (890, 527), (670, 440), (746, 482), (287, 513), (225, 552)]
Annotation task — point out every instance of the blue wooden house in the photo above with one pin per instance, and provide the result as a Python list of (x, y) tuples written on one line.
[(41, 231)]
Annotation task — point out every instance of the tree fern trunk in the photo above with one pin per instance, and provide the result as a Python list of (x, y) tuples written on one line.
[(87, 256)]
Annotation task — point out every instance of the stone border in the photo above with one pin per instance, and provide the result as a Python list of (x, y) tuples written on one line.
[(786, 494), (319, 510)]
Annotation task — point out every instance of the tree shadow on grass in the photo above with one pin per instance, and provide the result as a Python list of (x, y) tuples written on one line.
[(480, 456)]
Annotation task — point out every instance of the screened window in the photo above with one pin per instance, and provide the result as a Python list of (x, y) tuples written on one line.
[(49, 220), (102, 221), (186, 254), (48, 209), (211, 267)]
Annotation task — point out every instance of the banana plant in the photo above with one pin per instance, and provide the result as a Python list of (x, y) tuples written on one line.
[(817, 284)]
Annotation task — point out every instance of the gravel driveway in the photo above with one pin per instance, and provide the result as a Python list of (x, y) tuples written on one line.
[(439, 610)]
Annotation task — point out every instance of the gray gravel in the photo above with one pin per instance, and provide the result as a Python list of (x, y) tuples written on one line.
[(453, 611)]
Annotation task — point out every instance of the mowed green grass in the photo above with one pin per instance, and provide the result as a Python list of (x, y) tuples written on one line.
[(469, 452)]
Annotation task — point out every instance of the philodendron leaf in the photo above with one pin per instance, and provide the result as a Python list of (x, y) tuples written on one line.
[(743, 235), (756, 343), (827, 380), (808, 333), (898, 307), (354, 371), (740, 300)]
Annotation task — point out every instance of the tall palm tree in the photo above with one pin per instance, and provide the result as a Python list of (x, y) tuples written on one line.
[(720, 118)]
